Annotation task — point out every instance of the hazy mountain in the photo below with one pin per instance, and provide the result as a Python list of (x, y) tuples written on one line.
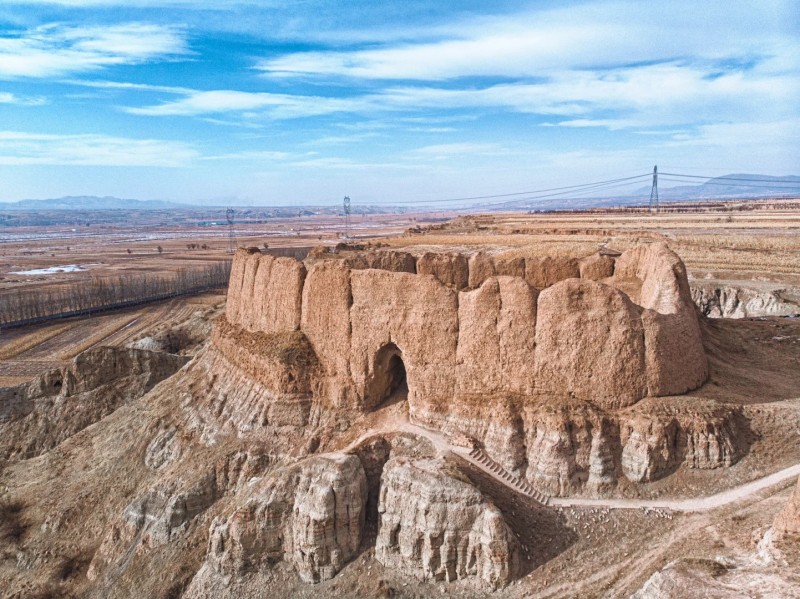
[(737, 185), (724, 187), (91, 203)]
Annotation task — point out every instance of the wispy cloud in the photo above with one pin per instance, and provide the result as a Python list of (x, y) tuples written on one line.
[(279, 106), (22, 148), (57, 50), (255, 155), (128, 86), (9, 98), (532, 43), (649, 95), (642, 96), (444, 151)]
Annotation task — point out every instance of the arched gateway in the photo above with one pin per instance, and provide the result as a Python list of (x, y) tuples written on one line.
[(388, 376)]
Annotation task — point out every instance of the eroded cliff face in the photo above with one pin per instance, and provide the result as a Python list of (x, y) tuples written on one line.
[(490, 346), (310, 516), (660, 436), (35, 417), (745, 300), (439, 527), (565, 446)]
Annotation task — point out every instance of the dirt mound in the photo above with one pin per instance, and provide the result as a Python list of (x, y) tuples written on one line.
[(35, 417)]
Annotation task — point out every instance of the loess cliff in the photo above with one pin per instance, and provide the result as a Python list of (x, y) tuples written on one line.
[(285, 452)]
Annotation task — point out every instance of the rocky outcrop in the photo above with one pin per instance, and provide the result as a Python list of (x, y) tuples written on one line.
[(172, 504), (715, 579), (564, 446), (152, 520), (658, 437), (310, 515), (35, 417), (570, 446), (226, 396), (787, 522), (439, 527), (721, 300)]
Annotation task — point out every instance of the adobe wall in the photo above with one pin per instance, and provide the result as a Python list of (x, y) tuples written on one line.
[(605, 330)]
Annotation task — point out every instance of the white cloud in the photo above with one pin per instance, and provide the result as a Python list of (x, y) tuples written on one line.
[(127, 86), (256, 155), (652, 95), (56, 50), (21, 148), (648, 96), (445, 151), (274, 105), (534, 42), (9, 98), (780, 133)]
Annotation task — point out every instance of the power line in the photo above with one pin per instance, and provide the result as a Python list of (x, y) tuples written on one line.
[(555, 195), (763, 181), (581, 187), (597, 186)]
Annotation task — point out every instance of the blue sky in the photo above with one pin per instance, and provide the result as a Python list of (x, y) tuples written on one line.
[(303, 102)]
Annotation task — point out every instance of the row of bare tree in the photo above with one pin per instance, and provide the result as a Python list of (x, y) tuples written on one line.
[(103, 293)]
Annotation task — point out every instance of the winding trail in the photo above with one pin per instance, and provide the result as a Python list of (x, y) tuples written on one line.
[(694, 504)]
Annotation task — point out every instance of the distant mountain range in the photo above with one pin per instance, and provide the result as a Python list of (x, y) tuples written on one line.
[(737, 185), (91, 203)]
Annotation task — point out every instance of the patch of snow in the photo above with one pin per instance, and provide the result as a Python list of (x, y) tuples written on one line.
[(50, 270)]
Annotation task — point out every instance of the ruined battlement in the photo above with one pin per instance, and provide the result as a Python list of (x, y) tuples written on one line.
[(608, 330)]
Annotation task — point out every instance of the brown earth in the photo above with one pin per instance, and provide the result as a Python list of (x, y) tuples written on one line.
[(225, 479)]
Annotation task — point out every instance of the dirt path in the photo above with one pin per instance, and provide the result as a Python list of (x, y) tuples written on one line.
[(696, 504)]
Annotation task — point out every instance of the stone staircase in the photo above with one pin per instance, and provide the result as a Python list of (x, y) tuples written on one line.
[(523, 486)]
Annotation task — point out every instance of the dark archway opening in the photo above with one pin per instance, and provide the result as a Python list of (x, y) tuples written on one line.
[(397, 376), (388, 380)]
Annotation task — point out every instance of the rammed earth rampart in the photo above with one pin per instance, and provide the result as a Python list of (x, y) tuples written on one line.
[(606, 330)]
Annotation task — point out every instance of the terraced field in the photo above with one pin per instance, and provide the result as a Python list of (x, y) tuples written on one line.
[(29, 351)]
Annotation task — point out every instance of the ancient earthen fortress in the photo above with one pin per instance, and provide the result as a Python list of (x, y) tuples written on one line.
[(541, 359)]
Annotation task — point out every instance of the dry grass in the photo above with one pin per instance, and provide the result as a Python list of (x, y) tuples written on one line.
[(26, 342), (85, 343)]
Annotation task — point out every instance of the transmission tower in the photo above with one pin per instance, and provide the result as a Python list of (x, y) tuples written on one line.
[(347, 217), (231, 235), (654, 191)]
